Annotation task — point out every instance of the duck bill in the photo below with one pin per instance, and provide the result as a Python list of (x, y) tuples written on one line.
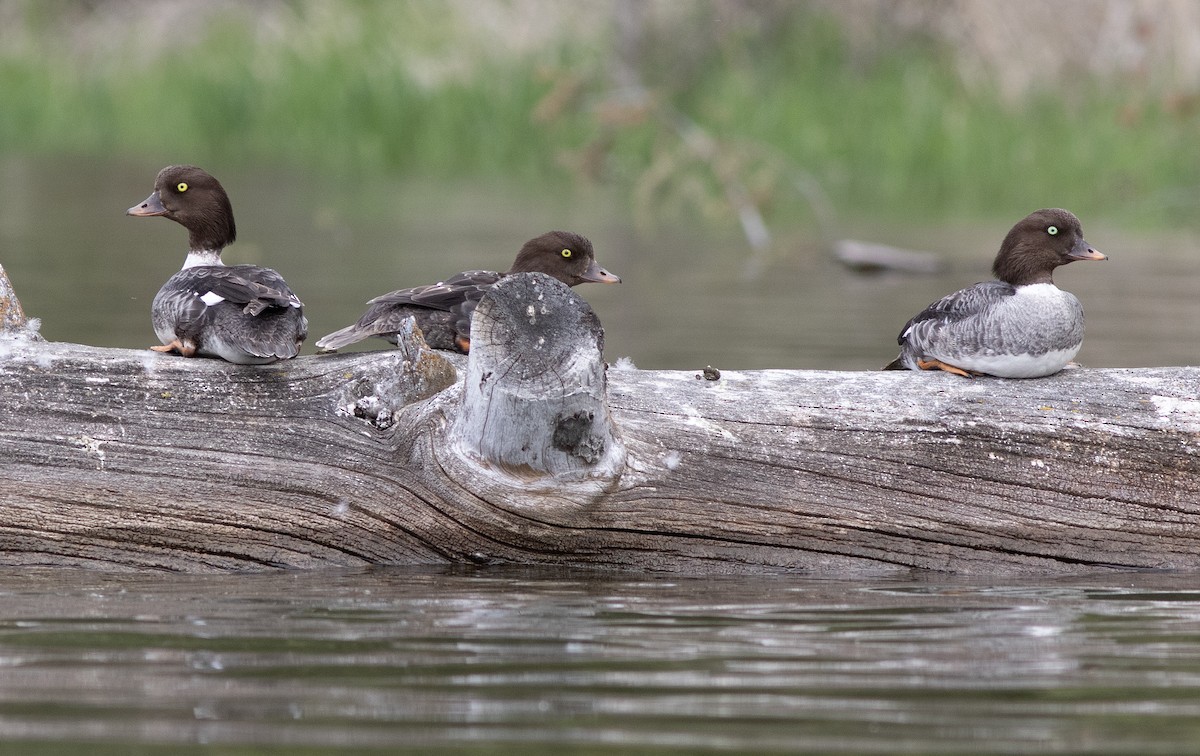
[(596, 274), (1082, 251), (151, 207)]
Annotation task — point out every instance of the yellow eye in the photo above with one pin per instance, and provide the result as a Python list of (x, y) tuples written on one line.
[(566, 253), (1052, 230), (181, 186)]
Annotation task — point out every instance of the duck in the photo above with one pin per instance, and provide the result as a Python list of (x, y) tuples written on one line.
[(443, 310), (244, 314), (1019, 325)]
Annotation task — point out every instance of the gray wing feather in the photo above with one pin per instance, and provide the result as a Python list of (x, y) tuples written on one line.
[(385, 315), (960, 305)]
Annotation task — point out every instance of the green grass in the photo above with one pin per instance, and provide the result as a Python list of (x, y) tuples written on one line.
[(901, 135), (340, 104), (895, 135)]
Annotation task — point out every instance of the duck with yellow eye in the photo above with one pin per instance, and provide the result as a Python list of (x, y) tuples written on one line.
[(244, 314), (443, 310), (1019, 325)]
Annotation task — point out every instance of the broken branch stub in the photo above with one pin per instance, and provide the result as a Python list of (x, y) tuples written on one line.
[(535, 393), (12, 317)]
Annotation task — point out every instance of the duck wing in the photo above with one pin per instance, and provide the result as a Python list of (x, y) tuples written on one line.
[(446, 295), (445, 305), (255, 289), (244, 308), (959, 306)]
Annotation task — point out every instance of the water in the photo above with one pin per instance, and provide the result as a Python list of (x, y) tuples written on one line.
[(515, 661), (90, 272), (552, 662)]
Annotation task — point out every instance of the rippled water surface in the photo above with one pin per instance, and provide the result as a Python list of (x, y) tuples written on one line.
[(569, 662)]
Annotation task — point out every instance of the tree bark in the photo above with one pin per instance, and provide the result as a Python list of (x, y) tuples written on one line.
[(124, 459)]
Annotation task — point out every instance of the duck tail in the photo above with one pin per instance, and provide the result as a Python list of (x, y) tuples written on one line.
[(344, 337), (896, 364)]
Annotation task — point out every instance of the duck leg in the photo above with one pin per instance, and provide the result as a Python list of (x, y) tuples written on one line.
[(931, 364), (186, 348)]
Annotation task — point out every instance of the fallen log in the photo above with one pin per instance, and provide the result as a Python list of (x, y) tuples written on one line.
[(531, 451)]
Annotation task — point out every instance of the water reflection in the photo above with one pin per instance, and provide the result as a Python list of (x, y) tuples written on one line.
[(545, 660), (90, 273)]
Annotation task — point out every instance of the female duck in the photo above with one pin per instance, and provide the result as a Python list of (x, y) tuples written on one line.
[(443, 310), (240, 313), (1020, 326)]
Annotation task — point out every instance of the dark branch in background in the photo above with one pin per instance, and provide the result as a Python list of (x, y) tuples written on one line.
[(691, 169)]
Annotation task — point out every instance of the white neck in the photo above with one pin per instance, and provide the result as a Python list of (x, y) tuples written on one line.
[(198, 257)]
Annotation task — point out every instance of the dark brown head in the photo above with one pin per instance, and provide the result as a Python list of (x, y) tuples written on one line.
[(195, 200), (1038, 244), (566, 256)]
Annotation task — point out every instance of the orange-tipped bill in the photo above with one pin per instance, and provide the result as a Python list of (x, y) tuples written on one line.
[(596, 274), (1084, 251), (151, 207)]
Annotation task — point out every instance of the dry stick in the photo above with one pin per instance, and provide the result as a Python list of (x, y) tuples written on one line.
[(12, 316)]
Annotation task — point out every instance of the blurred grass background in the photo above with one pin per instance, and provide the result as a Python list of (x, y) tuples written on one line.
[(925, 109)]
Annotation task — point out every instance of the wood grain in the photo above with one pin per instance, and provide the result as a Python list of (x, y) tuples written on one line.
[(124, 459)]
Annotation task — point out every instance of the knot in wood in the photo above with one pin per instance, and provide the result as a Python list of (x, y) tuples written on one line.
[(573, 435)]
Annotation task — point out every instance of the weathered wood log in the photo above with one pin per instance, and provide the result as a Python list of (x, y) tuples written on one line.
[(122, 459)]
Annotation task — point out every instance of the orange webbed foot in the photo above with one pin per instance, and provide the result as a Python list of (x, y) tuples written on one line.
[(939, 365), (187, 349)]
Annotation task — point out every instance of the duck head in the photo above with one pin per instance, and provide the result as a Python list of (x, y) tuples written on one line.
[(566, 256), (1039, 243), (192, 198)]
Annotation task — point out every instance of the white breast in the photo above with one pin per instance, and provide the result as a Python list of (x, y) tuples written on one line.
[(1018, 365)]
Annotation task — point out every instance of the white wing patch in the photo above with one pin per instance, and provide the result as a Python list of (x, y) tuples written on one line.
[(210, 299)]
